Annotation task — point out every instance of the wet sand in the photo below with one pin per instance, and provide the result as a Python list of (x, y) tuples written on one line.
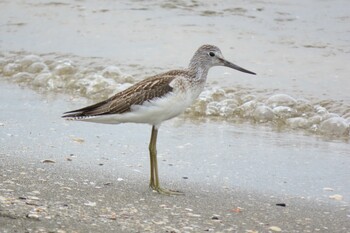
[(95, 177)]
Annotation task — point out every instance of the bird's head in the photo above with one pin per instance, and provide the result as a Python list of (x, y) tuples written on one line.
[(208, 56)]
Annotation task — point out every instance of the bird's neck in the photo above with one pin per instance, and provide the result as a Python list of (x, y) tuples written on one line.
[(200, 71)]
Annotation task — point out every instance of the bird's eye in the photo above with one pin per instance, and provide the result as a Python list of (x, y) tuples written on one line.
[(212, 54)]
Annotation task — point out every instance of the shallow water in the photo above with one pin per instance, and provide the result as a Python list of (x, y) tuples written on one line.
[(93, 79), (298, 53)]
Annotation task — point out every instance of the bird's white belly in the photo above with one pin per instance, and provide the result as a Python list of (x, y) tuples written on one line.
[(152, 112)]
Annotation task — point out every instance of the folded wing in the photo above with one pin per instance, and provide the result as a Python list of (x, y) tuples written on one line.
[(146, 90)]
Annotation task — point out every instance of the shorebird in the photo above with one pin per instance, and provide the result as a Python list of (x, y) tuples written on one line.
[(157, 99)]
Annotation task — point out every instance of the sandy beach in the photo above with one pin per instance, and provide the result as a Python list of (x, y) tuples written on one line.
[(265, 153)]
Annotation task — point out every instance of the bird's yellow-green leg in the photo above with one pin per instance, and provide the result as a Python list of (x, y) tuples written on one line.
[(152, 150), (154, 181)]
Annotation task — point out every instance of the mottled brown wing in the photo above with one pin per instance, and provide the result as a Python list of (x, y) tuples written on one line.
[(146, 90)]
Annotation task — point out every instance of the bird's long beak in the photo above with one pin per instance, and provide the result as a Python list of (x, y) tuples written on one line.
[(233, 66)]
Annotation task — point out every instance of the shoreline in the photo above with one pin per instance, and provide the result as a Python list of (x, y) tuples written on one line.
[(60, 176), (99, 182)]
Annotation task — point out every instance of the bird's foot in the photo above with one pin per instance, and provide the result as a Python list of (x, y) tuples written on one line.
[(164, 191)]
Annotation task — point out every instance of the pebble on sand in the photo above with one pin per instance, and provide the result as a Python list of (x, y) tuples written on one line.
[(275, 228), (336, 197), (48, 161)]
